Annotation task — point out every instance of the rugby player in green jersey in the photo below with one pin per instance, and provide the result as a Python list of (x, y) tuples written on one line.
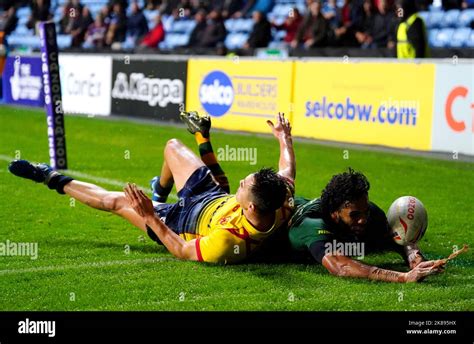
[(343, 224)]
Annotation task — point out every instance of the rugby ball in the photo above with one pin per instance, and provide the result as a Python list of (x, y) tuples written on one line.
[(408, 220)]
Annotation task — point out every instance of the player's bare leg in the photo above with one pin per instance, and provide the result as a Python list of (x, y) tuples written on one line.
[(89, 194), (200, 126), (98, 198), (179, 164)]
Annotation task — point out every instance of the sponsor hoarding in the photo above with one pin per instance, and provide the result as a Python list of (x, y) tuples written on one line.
[(386, 104), (152, 89), (453, 119), (85, 82), (240, 94), (22, 81)]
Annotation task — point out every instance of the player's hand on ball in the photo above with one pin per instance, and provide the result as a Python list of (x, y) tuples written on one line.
[(416, 260), (425, 269), (139, 201), (282, 129)]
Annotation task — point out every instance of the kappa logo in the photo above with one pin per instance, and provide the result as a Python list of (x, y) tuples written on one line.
[(153, 91)]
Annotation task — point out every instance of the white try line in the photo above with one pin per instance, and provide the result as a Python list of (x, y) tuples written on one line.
[(96, 179), (86, 265)]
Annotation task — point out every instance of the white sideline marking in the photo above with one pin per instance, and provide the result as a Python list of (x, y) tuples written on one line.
[(86, 265), (95, 179)]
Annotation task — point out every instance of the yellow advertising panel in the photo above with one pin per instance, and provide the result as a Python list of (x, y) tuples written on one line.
[(386, 104), (239, 94)]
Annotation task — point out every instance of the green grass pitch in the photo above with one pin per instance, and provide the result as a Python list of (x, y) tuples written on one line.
[(91, 260)]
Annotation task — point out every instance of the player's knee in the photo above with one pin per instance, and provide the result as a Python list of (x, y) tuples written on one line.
[(172, 145)]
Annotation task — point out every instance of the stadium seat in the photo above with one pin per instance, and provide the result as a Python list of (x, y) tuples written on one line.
[(231, 40), (57, 17), (279, 35), (64, 41), (22, 30), (182, 26), (173, 40), (235, 40), (435, 19), (302, 8), (95, 9), (282, 10), (443, 38), (450, 18), (58, 10), (22, 20), (30, 41), (150, 15), (166, 20), (460, 37), (465, 18), (432, 34), (243, 25), (276, 9), (229, 25), (191, 24), (23, 12), (271, 17), (129, 43), (277, 45), (470, 41), (425, 16)]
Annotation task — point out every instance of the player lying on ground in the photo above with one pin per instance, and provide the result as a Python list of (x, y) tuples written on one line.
[(206, 224), (343, 215), (344, 220)]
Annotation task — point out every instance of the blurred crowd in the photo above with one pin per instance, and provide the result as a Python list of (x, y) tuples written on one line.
[(357, 23)]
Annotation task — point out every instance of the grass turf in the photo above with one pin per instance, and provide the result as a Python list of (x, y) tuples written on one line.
[(91, 260)]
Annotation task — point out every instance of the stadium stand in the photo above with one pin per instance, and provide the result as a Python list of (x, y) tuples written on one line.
[(447, 29)]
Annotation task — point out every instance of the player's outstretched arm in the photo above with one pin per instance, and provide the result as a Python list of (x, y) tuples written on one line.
[(344, 266), (413, 255), (177, 246), (282, 131)]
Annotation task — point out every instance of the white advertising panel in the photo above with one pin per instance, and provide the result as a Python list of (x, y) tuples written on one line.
[(453, 117), (86, 84)]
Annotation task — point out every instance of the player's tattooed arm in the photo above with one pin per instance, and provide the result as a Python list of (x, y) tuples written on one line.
[(413, 255), (282, 131), (343, 266), (379, 274)]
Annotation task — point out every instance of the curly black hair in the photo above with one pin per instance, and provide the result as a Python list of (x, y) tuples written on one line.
[(344, 187), (268, 190)]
